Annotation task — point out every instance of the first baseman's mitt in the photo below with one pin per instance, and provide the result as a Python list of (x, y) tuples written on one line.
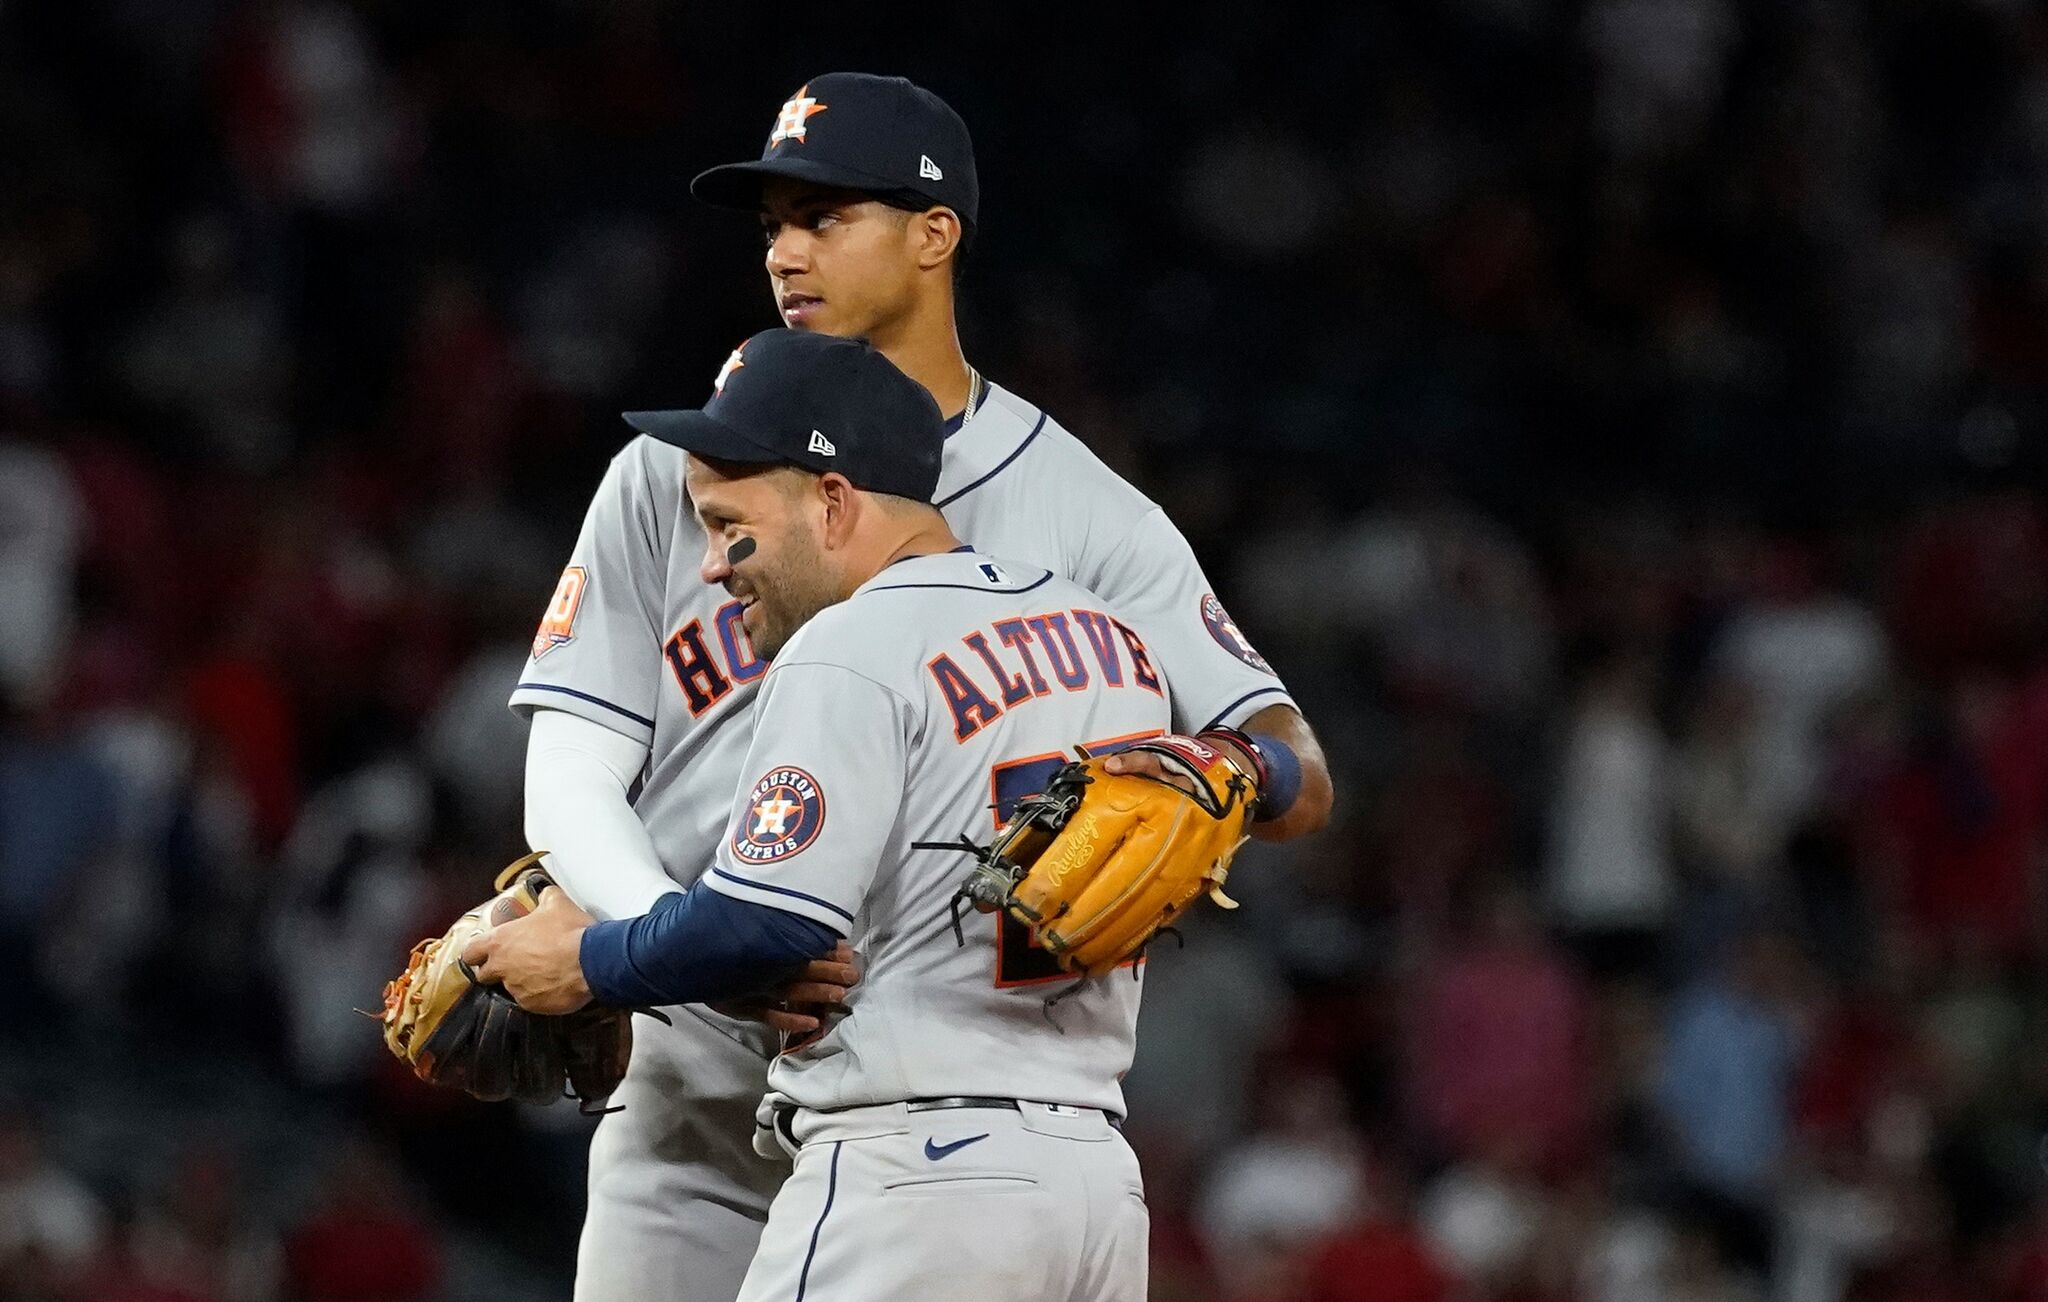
[(1099, 862), (453, 1030)]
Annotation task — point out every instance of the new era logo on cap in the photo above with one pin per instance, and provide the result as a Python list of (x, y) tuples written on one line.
[(822, 445), (929, 170)]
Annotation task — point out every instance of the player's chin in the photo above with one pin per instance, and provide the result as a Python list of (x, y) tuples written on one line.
[(766, 636)]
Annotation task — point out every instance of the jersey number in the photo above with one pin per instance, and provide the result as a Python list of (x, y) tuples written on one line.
[(1020, 960)]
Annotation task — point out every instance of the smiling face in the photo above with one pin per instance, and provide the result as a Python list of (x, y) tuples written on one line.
[(839, 261), (789, 577)]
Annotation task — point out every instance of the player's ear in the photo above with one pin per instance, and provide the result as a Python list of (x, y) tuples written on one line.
[(841, 503), (937, 231)]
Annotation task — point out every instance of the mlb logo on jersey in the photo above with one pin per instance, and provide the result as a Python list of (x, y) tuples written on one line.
[(789, 124), (784, 812)]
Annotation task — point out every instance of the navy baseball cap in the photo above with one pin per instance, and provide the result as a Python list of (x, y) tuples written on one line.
[(884, 136), (792, 397)]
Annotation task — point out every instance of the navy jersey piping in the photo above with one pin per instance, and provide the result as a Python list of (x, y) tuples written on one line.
[(968, 587), (1224, 713), (781, 890), (803, 1280), (584, 696), (1001, 466)]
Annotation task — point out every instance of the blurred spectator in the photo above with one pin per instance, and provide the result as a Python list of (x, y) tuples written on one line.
[(1918, 1262), (1621, 1253), (42, 528), (59, 798), (128, 1270), (199, 1230), (50, 1223), (1963, 819), (1610, 880), (477, 746), (1297, 1177), (1803, 651), (1452, 599), (2023, 1274), (1698, 1270), (459, 388), (1497, 1044), (1658, 67), (1969, 585), (349, 903), (1725, 1086), (1442, 821), (1209, 1014), (211, 354), (1377, 1256), (364, 1240), (1731, 825), (1907, 312), (1484, 1217)]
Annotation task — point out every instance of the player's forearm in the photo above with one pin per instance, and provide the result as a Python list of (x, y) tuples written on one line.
[(1310, 808), (577, 777), (696, 947)]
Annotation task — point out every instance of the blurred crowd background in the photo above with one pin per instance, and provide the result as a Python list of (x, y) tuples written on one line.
[(1621, 421)]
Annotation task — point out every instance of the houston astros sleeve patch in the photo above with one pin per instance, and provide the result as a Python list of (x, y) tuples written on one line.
[(785, 812)]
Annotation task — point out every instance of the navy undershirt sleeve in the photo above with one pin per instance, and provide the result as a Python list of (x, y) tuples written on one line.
[(697, 946)]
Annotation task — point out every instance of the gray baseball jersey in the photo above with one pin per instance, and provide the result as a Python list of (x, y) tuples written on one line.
[(944, 686), (635, 640)]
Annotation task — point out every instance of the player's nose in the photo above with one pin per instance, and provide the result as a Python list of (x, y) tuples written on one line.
[(714, 568), (789, 252)]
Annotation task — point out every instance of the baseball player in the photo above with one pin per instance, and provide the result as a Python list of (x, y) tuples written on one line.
[(910, 675), (643, 678)]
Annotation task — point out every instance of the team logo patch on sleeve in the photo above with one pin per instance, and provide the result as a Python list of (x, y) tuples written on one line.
[(1221, 627), (559, 624), (784, 813)]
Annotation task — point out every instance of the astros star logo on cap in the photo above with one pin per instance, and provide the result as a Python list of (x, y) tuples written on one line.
[(732, 363), (789, 124)]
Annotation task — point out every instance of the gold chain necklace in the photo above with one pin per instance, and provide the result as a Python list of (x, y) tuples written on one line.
[(977, 389)]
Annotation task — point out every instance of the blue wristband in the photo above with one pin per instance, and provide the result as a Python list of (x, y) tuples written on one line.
[(1283, 777)]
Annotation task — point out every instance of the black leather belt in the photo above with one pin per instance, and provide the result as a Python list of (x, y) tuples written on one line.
[(984, 1101), (785, 1113), (960, 1101)]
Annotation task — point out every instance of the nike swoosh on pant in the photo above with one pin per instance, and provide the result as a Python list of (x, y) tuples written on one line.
[(937, 1151)]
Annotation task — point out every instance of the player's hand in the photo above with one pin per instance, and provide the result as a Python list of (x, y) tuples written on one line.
[(1145, 764), (537, 958), (816, 993)]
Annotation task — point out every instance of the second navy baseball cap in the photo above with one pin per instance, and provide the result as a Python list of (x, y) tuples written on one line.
[(794, 397), (885, 136)]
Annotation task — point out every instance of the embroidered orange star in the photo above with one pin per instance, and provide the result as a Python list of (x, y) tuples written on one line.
[(789, 124), (732, 363)]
